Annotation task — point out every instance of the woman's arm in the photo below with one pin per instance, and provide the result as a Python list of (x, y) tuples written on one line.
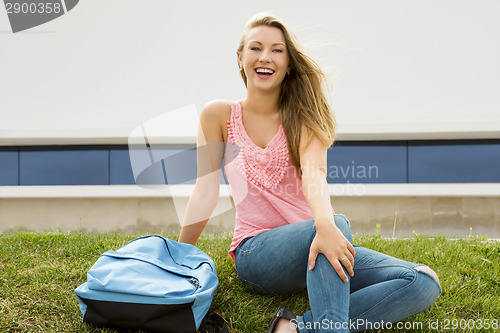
[(209, 154), (329, 240)]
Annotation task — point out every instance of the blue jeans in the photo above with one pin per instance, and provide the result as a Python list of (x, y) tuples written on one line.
[(383, 289)]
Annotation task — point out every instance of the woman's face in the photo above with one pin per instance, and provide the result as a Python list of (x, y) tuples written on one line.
[(264, 58)]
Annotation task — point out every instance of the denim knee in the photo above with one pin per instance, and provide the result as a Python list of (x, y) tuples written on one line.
[(344, 226), (426, 290), (431, 285)]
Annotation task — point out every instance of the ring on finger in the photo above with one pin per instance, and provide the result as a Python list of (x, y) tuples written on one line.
[(343, 259)]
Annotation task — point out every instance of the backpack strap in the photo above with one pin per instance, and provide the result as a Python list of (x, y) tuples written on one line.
[(215, 320)]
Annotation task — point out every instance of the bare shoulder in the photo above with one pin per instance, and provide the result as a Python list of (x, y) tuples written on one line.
[(217, 109), (213, 119)]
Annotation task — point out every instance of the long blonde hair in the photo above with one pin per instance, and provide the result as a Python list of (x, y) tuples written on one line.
[(302, 100)]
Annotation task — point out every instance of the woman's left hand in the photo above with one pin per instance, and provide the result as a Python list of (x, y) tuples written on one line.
[(330, 241)]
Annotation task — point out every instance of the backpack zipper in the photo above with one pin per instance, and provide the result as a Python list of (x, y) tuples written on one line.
[(194, 282), (117, 255)]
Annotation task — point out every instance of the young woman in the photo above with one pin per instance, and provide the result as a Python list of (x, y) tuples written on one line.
[(287, 238)]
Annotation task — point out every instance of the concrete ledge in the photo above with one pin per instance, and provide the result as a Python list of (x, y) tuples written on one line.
[(417, 190), (184, 191), (454, 210)]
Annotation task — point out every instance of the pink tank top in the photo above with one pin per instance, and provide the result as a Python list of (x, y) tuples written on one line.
[(265, 186)]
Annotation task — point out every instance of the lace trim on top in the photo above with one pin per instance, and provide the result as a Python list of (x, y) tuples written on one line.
[(264, 167)]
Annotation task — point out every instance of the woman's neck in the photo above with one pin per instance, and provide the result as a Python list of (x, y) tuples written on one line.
[(262, 103)]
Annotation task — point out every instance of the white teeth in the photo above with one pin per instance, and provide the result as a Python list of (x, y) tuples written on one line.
[(265, 71)]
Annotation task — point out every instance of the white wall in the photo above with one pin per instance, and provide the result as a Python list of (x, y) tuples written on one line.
[(400, 69)]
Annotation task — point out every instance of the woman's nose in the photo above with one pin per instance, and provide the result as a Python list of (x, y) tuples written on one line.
[(265, 56)]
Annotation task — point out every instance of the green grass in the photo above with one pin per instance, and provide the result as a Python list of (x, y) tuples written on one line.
[(39, 271)]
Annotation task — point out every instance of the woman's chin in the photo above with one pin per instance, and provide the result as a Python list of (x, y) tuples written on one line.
[(265, 85)]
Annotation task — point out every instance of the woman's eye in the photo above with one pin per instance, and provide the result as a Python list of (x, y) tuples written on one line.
[(278, 50), (255, 48)]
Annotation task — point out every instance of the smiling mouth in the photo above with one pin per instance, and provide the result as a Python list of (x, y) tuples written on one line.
[(264, 73)]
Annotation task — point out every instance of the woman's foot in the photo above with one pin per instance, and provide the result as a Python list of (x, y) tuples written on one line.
[(284, 326), (281, 322)]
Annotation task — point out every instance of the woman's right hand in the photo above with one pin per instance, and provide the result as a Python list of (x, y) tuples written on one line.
[(330, 241)]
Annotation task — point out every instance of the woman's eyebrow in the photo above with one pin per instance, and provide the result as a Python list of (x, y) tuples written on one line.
[(256, 41)]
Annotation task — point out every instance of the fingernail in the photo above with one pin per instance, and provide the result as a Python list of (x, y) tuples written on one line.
[(310, 267)]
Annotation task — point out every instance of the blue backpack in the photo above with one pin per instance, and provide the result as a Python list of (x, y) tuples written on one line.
[(152, 284)]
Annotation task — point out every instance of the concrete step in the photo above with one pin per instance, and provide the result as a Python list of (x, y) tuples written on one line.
[(453, 211)]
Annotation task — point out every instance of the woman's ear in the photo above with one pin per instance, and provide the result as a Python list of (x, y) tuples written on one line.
[(240, 60)]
